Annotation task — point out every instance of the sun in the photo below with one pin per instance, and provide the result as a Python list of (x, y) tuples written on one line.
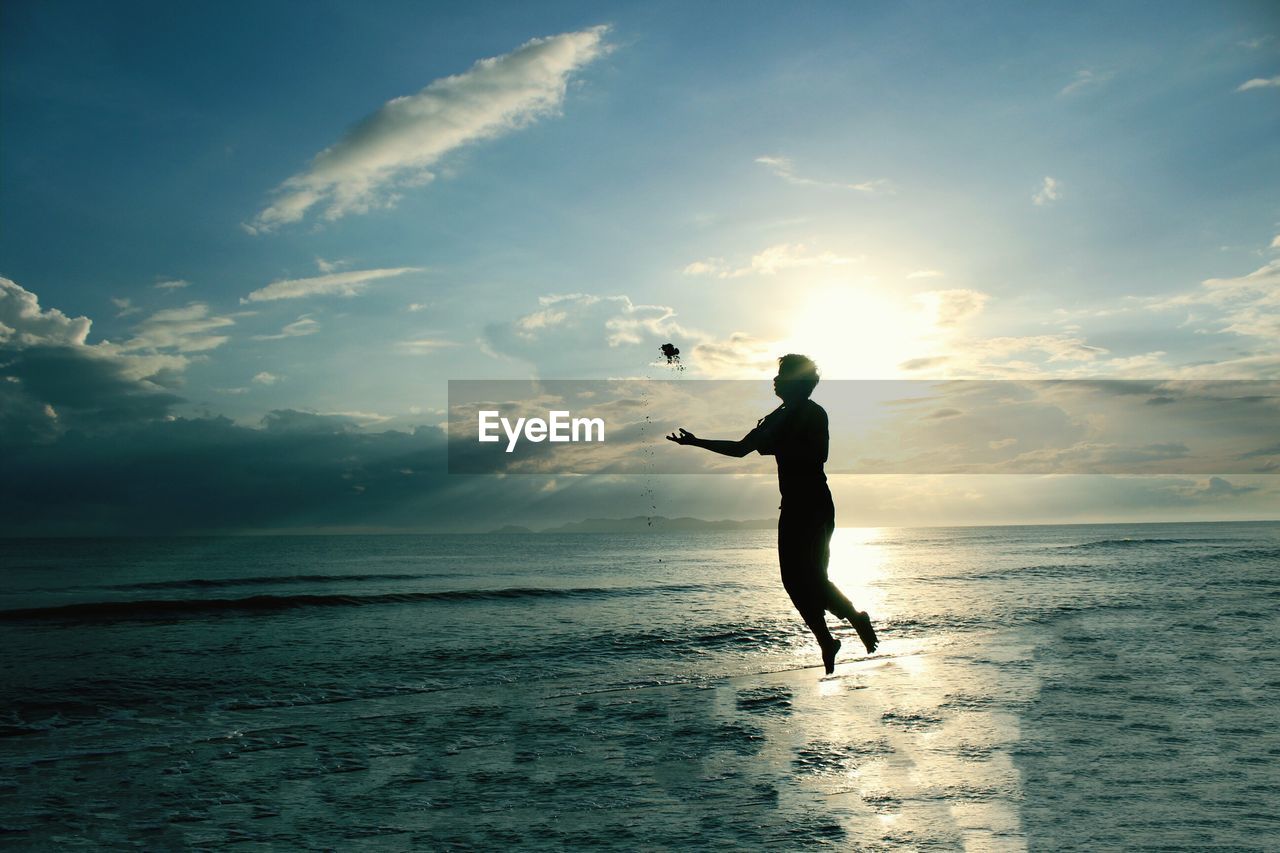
[(854, 331)]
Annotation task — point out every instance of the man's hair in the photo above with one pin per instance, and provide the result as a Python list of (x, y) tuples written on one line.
[(799, 369)]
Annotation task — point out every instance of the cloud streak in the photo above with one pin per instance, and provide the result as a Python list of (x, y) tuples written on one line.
[(1259, 83), (395, 147), (1084, 79), (335, 284), (425, 346), (189, 329), (299, 328), (952, 307), (770, 261), (784, 168)]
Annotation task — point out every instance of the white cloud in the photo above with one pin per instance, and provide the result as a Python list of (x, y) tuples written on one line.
[(739, 356), (1275, 242), (632, 323), (125, 306), (157, 350), (189, 329), (1049, 192), (1246, 305), (265, 378), (361, 419), (1011, 357), (1085, 78), (334, 284), (784, 168), (1217, 488), (1138, 366), (950, 307), (425, 346), (620, 319), (1264, 366), (1053, 347), (396, 145), (570, 333), (925, 274), (544, 319), (299, 328), (329, 266), (575, 332), (1259, 83), (711, 266), (23, 323), (770, 261), (171, 284), (924, 363)]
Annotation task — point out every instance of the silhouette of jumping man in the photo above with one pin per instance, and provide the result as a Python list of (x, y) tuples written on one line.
[(795, 434)]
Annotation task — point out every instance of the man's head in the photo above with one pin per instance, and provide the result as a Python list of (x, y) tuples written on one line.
[(797, 377)]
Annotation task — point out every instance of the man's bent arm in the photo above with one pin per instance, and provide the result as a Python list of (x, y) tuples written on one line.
[(724, 447)]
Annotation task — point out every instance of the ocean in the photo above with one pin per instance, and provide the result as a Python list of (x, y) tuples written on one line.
[(1036, 688)]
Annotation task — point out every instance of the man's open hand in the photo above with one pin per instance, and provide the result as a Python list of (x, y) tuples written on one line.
[(684, 437)]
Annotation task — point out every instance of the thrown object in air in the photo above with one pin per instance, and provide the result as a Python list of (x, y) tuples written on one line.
[(670, 352)]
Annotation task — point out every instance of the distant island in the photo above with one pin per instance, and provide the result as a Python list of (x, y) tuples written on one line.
[(643, 524)]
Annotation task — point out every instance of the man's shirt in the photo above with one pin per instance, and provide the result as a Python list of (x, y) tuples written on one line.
[(797, 437)]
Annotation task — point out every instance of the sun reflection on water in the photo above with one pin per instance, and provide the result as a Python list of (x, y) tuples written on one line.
[(860, 567)]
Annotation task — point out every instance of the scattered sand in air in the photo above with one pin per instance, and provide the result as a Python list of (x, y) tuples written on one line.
[(672, 354)]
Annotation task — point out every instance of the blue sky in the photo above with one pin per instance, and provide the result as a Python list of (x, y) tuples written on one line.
[(909, 190)]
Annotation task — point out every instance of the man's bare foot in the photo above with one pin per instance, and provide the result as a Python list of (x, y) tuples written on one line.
[(829, 655), (862, 624)]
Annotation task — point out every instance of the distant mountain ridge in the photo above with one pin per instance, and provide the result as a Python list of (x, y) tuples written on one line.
[(644, 524)]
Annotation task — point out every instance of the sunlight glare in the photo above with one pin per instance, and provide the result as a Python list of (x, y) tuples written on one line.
[(854, 331), (858, 565)]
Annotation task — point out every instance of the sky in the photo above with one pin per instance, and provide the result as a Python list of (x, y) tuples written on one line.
[(245, 246)]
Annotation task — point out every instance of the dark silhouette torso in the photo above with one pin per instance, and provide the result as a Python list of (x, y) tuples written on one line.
[(796, 436)]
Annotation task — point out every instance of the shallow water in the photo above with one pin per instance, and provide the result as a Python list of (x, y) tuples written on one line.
[(1076, 687)]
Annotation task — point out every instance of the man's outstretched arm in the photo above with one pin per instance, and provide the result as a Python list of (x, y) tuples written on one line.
[(724, 447)]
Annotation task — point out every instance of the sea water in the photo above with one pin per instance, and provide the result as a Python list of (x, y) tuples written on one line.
[(1056, 687)]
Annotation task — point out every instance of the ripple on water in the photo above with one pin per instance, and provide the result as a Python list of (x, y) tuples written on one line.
[(765, 700)]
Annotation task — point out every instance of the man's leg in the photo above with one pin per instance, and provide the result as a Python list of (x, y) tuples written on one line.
[(799, 561), (808, 605)]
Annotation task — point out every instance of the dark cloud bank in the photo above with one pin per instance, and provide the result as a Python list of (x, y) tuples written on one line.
[(90, 444), (297, 471)]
